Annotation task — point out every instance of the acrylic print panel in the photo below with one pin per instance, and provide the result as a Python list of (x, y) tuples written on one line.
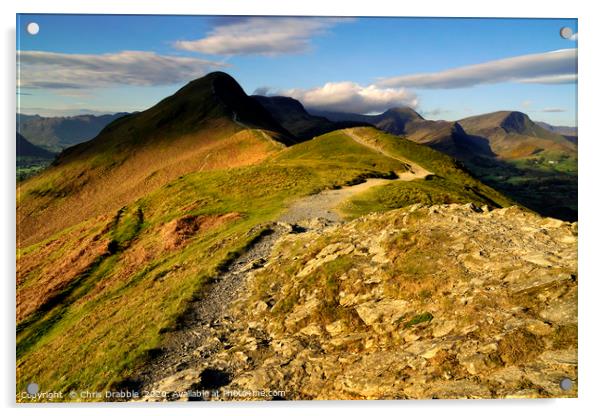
[(295, 208)]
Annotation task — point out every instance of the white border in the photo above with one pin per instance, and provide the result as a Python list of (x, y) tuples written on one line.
[(590, 152)]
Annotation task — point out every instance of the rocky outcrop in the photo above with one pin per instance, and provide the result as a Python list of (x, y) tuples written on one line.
[(423, 302)]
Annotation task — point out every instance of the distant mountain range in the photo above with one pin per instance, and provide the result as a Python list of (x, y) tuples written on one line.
[(510, 133), (504, 134), (57, 133), (564, 130), (513, 135)]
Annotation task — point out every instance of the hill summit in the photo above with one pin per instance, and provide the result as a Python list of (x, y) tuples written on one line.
[(208, 124), (213, 99), (393, 121), (218, 94), (511, 122)]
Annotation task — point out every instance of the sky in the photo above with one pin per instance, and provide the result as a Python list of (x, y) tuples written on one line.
[(444, 68)]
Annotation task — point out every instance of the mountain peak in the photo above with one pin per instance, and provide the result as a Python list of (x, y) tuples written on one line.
[(509, 121), (406, 113), (515, 121), (215, 95), (206, 89), (218, 76), (212, 84)]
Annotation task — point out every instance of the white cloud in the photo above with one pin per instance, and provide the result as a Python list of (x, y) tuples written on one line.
[(38, 69), (352, 97), (553, 110), (261, 36), (551, 79), (262, 91), (544, 68), (574, 36)]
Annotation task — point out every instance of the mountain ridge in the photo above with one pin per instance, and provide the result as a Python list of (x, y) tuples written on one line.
[(293, 116), (57, 133), (392, 120)]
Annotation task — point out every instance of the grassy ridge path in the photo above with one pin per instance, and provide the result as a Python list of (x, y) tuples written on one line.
[(416, 171), (324, 205)]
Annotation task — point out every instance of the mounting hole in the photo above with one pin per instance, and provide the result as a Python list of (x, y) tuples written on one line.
[(566, 32), (33, 28), (33, 388), (566, 384)]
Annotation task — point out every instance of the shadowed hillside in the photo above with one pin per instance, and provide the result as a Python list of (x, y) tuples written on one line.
[(27, 149), (31, 159), (534, 166), (291, 114), (570, 133), (392, 121)]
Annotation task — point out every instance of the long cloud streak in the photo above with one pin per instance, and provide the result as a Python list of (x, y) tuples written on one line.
[(39, 69), (554, 67)]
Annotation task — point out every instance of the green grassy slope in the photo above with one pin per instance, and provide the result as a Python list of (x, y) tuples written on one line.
[(337, 150)]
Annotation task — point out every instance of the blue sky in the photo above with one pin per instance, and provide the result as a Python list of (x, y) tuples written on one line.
[(445, 68)]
